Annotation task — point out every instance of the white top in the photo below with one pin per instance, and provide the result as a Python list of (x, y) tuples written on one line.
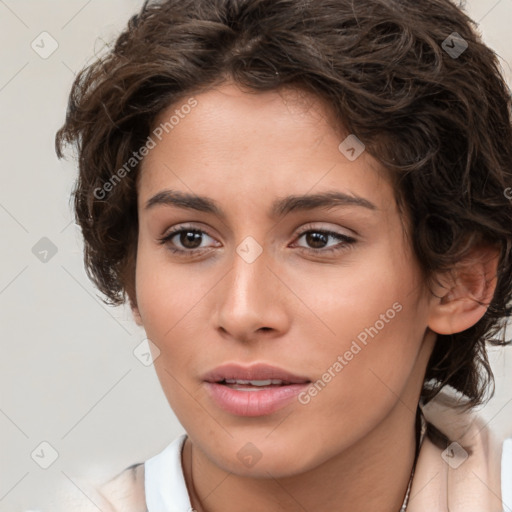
[(473, 474), (164, 482), (166, 489)]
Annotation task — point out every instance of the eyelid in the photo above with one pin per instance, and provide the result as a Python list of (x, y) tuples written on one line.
[(311, 226)]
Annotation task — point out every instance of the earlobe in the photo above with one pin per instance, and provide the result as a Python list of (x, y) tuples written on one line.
[(462, 297)]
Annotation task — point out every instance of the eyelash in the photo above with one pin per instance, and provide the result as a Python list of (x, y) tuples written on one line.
[(347, 241)]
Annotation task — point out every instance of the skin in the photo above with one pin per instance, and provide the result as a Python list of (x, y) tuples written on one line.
[(352, 446)]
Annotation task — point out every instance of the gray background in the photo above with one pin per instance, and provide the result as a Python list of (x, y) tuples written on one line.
[(68, 373)]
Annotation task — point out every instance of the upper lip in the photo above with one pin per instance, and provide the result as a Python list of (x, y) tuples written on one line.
[(258, 371)]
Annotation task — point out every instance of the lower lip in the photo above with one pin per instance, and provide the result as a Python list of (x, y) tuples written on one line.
[(253, 403)]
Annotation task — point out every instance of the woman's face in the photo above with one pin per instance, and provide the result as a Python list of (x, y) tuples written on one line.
[(327, 291)]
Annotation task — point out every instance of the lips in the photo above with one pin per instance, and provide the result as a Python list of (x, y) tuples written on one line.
[(256, 390), (256, 372)]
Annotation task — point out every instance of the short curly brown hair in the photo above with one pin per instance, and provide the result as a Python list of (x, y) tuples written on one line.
[(412, 80)]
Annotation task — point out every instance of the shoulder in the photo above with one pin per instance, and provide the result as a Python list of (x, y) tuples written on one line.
[(126, 490), (121, 493), (460, 470)]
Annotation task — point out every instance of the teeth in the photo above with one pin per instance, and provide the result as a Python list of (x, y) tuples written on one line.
[(267, 382)]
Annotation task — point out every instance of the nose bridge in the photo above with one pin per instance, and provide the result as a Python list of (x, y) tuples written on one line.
[(249, 274), (250, 292)]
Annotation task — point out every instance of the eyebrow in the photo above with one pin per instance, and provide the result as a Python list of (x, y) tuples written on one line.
[(280, 207)]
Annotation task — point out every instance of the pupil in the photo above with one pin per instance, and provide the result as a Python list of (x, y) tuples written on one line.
[(187, 238), (314, 238)]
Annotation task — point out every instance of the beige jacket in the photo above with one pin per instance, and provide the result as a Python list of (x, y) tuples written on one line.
[(465, 477)]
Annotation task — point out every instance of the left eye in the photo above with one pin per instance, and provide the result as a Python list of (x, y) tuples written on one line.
[(320, 236)]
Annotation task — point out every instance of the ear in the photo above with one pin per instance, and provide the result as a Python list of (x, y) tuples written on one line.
[(463, 295)]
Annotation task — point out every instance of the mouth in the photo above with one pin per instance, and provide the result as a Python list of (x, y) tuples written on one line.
[(255, 390), (254, 385), (256, 375)]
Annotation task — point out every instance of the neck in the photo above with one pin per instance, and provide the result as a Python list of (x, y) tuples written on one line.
[(372, 475)]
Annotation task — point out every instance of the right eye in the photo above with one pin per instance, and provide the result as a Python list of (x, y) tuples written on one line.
[(190, 239)]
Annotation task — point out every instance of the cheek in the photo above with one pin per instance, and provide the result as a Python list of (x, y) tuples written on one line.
[(357, 298), (377, 323), (166, 300), (171, 303), (163, 293)]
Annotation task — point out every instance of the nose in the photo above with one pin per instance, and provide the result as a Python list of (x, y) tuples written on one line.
[(251, 300)]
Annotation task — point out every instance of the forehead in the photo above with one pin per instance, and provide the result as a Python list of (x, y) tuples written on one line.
[(264, 143)]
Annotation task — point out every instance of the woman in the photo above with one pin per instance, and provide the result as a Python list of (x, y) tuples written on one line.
[(305, 204)]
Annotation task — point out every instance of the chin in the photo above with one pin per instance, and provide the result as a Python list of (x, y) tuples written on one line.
[(280, 457)]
